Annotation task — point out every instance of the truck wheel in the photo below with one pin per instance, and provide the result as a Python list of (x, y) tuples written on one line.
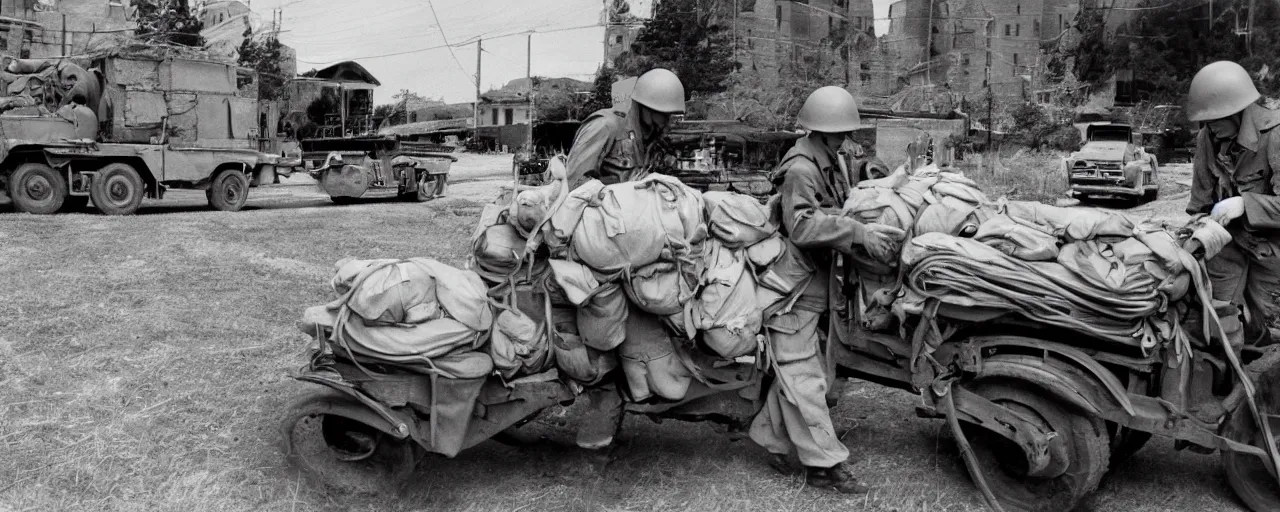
[(1080, 439), (37, 188), (228, 192), (117, 189)]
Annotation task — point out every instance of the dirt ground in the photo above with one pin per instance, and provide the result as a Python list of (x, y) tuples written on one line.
[(145, 361)]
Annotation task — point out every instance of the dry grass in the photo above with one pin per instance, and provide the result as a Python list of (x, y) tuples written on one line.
[(1018, 174), (144, 363)]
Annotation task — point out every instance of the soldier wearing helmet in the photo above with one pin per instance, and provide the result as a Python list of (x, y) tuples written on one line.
[(1235, 181), (811, 182), (616, 145)]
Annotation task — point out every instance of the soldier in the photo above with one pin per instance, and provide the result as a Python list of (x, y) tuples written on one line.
[(616, 146), (811, 184), (1234, 181)]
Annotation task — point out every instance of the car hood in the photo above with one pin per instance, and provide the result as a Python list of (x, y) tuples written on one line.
[(1102, 150)]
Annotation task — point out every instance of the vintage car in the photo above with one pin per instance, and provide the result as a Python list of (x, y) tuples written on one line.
[(1111, 164)]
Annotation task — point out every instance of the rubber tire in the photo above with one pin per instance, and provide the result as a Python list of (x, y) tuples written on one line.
[(124, 175), (1247, 475), (53, 189), (1152, 194), (344, 200), (1086, 439), (229, 191), (390, 466)]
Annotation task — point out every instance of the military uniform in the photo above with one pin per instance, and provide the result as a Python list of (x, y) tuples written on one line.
[(811, 189), (610, 146), (1247, 271)]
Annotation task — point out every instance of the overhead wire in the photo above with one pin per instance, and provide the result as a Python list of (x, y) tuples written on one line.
[(446, 43)]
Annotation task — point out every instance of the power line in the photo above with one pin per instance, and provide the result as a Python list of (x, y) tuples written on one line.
[(454, 45), (446, 40)]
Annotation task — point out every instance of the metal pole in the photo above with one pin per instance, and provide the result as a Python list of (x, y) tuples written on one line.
[(64, 35), (475, 106), (528, 73), (928, 49)]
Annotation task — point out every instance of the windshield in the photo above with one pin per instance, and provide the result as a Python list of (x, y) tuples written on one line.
[(1110, 133)]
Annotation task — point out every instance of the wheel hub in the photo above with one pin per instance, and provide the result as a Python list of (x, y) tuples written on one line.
[(119, 190), (38, 188)]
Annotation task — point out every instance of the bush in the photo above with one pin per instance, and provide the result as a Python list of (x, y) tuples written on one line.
[(1063, 138)]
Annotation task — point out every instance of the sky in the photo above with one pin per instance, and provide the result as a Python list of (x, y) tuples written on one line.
[(373, 32)]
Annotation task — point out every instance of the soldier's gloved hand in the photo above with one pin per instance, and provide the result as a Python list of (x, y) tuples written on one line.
[(882, 241), (1227, 210)]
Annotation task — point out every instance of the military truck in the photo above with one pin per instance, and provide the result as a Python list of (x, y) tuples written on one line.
[(126, 125)]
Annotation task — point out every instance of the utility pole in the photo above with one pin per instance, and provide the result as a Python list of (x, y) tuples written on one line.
[(928, 49), (528, 73), (475, 106), (990, 96), (1248, 37)]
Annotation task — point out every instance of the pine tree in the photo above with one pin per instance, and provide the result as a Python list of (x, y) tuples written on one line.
[(264, 57)]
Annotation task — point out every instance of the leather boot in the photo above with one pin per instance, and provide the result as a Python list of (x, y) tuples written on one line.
[(601, 420), (837, 477)]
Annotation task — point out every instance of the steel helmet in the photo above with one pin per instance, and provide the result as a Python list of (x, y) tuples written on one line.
[(1219, 90), (660, 90), (830, 109)]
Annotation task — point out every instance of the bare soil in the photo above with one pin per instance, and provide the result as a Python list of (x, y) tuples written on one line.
[(144, 364)]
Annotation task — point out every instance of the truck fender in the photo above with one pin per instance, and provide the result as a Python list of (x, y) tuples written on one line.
[(1059, 369)]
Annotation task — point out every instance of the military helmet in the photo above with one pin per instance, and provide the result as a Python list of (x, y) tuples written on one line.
[(660, 90), (1219, 90), (830, 109)]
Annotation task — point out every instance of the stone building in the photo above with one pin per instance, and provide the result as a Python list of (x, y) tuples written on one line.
[(54, 28), (772, 33), (974, 45)]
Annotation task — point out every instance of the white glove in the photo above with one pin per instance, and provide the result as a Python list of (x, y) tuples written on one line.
[(1227, 210)]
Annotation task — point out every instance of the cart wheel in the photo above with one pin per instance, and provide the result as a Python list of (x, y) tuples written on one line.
[(229, 191), (37, 188), (1080, 451), (1247, 474), (326, 437), (117, 189)]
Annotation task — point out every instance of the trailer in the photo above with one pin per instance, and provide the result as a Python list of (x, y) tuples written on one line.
[(124, 126)]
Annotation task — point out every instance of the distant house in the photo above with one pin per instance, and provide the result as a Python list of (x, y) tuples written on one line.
[(504, 113)]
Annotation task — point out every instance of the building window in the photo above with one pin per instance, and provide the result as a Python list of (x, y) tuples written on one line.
[(831, 24), (1015, 63), (965, 59), (510, 114), (1019, 8), (413, 117), (778, 14), (495, 117), (1008, 30), (747, 5), (617, 39), (1036, 27), (1017, 30), (751, 41), (988, 58), (1060, 27)]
